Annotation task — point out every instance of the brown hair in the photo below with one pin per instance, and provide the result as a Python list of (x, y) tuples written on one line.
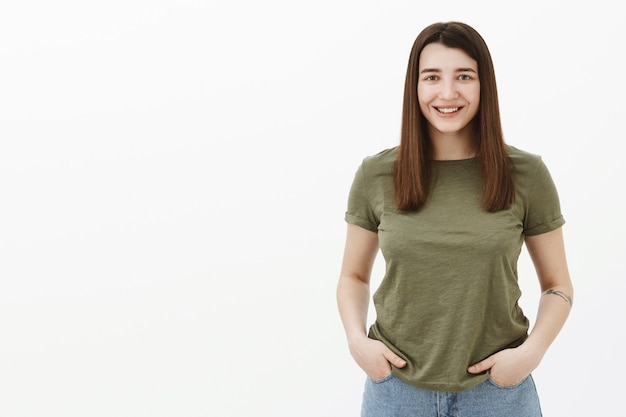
[(412, 175)]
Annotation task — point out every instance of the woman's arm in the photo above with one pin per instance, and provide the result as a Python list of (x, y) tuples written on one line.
[(547, 252), (353, 295)]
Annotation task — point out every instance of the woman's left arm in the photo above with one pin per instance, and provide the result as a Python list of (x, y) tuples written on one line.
[(547, 252), (510, 366)]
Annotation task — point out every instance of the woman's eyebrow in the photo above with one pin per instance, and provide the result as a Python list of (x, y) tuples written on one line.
[(457, 70)]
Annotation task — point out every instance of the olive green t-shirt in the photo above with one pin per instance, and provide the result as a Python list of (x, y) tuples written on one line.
[(449, 297)]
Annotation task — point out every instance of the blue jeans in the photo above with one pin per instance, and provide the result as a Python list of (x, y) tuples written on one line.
[(392, 397)]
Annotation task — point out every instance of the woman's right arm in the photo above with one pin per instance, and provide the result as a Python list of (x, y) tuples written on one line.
[(353, 295)]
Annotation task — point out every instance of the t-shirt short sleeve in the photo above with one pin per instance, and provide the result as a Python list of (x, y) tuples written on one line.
[(360, 210), (543, 210)]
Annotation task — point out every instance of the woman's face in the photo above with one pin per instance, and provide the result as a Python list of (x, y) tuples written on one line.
[(448, 89)]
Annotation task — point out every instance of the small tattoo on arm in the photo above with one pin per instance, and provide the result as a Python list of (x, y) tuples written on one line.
[(561, 294)]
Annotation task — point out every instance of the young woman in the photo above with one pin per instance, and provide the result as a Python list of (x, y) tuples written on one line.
[(450, 208)]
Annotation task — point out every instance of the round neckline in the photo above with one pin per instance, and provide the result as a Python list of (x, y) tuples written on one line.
[(454, 161)]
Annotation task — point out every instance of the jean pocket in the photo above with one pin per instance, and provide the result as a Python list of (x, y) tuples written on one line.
[(381, 380), (495, 384)]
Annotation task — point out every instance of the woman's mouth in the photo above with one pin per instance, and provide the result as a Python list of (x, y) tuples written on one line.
[(447, 110)]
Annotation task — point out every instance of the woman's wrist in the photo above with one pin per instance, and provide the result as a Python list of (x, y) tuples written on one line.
[(356, 338), (532, 352)]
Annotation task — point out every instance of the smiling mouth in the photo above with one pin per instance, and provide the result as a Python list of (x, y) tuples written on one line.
[(447, 110)]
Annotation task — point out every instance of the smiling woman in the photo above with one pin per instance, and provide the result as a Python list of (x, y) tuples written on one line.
[(448, 93), (450, 209)]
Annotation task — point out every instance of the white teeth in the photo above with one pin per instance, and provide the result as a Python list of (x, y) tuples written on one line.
[(448, 109)]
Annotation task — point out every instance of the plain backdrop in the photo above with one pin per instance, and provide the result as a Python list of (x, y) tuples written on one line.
[(174, 175)]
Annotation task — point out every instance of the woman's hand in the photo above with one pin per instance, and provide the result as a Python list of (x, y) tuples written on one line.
[(508, 367), (374, 357)]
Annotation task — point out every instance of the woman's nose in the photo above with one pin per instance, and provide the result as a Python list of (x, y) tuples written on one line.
[(448, 90)]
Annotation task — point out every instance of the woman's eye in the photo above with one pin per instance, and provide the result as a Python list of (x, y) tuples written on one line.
[(431, 78), (465, 77)]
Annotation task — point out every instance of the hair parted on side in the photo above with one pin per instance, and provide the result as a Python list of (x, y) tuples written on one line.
[(412, 173)]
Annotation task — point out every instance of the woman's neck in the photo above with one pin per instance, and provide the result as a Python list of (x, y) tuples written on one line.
[(453, 146)]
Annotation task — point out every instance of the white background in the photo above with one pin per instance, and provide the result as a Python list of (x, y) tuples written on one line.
[(173, 179)]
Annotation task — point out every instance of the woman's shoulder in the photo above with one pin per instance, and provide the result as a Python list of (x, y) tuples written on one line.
[(528, 167), (379, 165), (520, 154), (522, 159), (382, 160)]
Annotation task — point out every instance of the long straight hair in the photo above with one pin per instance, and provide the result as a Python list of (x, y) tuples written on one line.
[(413, 166)]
